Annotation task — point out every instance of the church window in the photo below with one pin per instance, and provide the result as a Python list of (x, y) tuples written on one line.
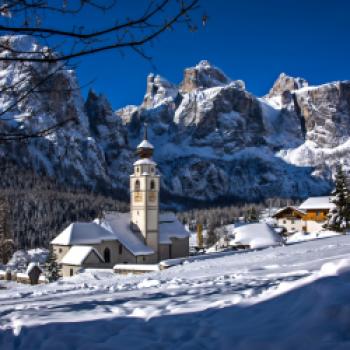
[(120, 249), (107, 255), (153, 186), (137, 185)]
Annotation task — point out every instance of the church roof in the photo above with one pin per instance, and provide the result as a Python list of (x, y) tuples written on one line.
[(119, 225), (146, 161), (170, 227), (145, 144), (77, 254), (83, 233)]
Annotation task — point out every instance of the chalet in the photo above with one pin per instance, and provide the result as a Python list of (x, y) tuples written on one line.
[(291, 218), (310, 216), (143, 236), (317, 209)]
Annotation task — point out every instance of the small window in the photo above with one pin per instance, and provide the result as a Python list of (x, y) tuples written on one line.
[(60, 250), (120, 249), (107, 255), (143, 259), (284, 221), (153, 185), (152, 170), (71, 272), (292, 221), (137, 185)]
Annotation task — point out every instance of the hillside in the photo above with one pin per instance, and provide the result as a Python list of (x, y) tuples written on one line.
[(286, 297)]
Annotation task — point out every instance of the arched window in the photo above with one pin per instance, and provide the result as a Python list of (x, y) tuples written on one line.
[(137, 185), (153, 185), (107, 255)]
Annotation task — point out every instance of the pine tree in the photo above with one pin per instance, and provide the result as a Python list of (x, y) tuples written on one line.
[(6, 242), (339, 217), (52, 267)]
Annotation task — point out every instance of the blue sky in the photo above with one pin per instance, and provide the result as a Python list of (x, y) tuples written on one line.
[(251, 40)]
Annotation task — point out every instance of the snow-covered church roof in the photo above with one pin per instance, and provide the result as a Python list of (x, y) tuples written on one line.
[(317, 203), (170, 227), (115, 226), (119, 225), (83, 233), (145, 144), (77, 255)]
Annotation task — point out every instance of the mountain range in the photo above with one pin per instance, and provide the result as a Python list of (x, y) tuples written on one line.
[(214, 140)]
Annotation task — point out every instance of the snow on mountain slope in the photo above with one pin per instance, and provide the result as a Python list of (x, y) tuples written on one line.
[(262, 299), (214, 140)]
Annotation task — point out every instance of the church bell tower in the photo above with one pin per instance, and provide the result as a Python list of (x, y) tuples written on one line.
[(144, 192)]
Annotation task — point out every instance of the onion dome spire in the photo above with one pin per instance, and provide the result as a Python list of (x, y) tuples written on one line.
[(145, 148)]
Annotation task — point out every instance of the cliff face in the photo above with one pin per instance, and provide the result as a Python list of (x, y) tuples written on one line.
[(214, 140)]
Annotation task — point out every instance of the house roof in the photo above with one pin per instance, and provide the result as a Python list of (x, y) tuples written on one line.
[(83, 233), (280, 211), (77, 254), (317, 203), (119, 225), (170, 227)]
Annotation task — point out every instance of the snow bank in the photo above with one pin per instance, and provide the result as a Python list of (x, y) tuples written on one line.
[(302, 236), (258, 235)]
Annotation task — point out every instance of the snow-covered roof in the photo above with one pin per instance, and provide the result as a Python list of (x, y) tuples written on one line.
[(31, 267), (317, 203), (170, 227), (83, 233), (119, 225), (77, 254), (256, 236), (145, 144), (147, 161), (279, 211)]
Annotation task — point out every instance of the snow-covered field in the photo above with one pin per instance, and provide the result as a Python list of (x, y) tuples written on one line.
[(289, 297)]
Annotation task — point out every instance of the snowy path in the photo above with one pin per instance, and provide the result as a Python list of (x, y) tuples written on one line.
[(236, 301)]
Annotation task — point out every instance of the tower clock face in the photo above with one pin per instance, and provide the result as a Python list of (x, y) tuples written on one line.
[(137, 196), (152, 196)]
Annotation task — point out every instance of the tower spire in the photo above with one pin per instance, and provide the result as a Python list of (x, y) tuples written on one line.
[(145, 131), (145, 148)]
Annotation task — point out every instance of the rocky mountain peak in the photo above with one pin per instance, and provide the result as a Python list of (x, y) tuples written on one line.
[(157, 90), (285, 83), (203, 75)]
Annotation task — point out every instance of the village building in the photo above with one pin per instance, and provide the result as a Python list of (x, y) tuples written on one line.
[(143, 236), (310, 216), (291, 218)]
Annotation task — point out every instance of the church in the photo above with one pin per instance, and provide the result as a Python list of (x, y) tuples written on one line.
[(142, 236)]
